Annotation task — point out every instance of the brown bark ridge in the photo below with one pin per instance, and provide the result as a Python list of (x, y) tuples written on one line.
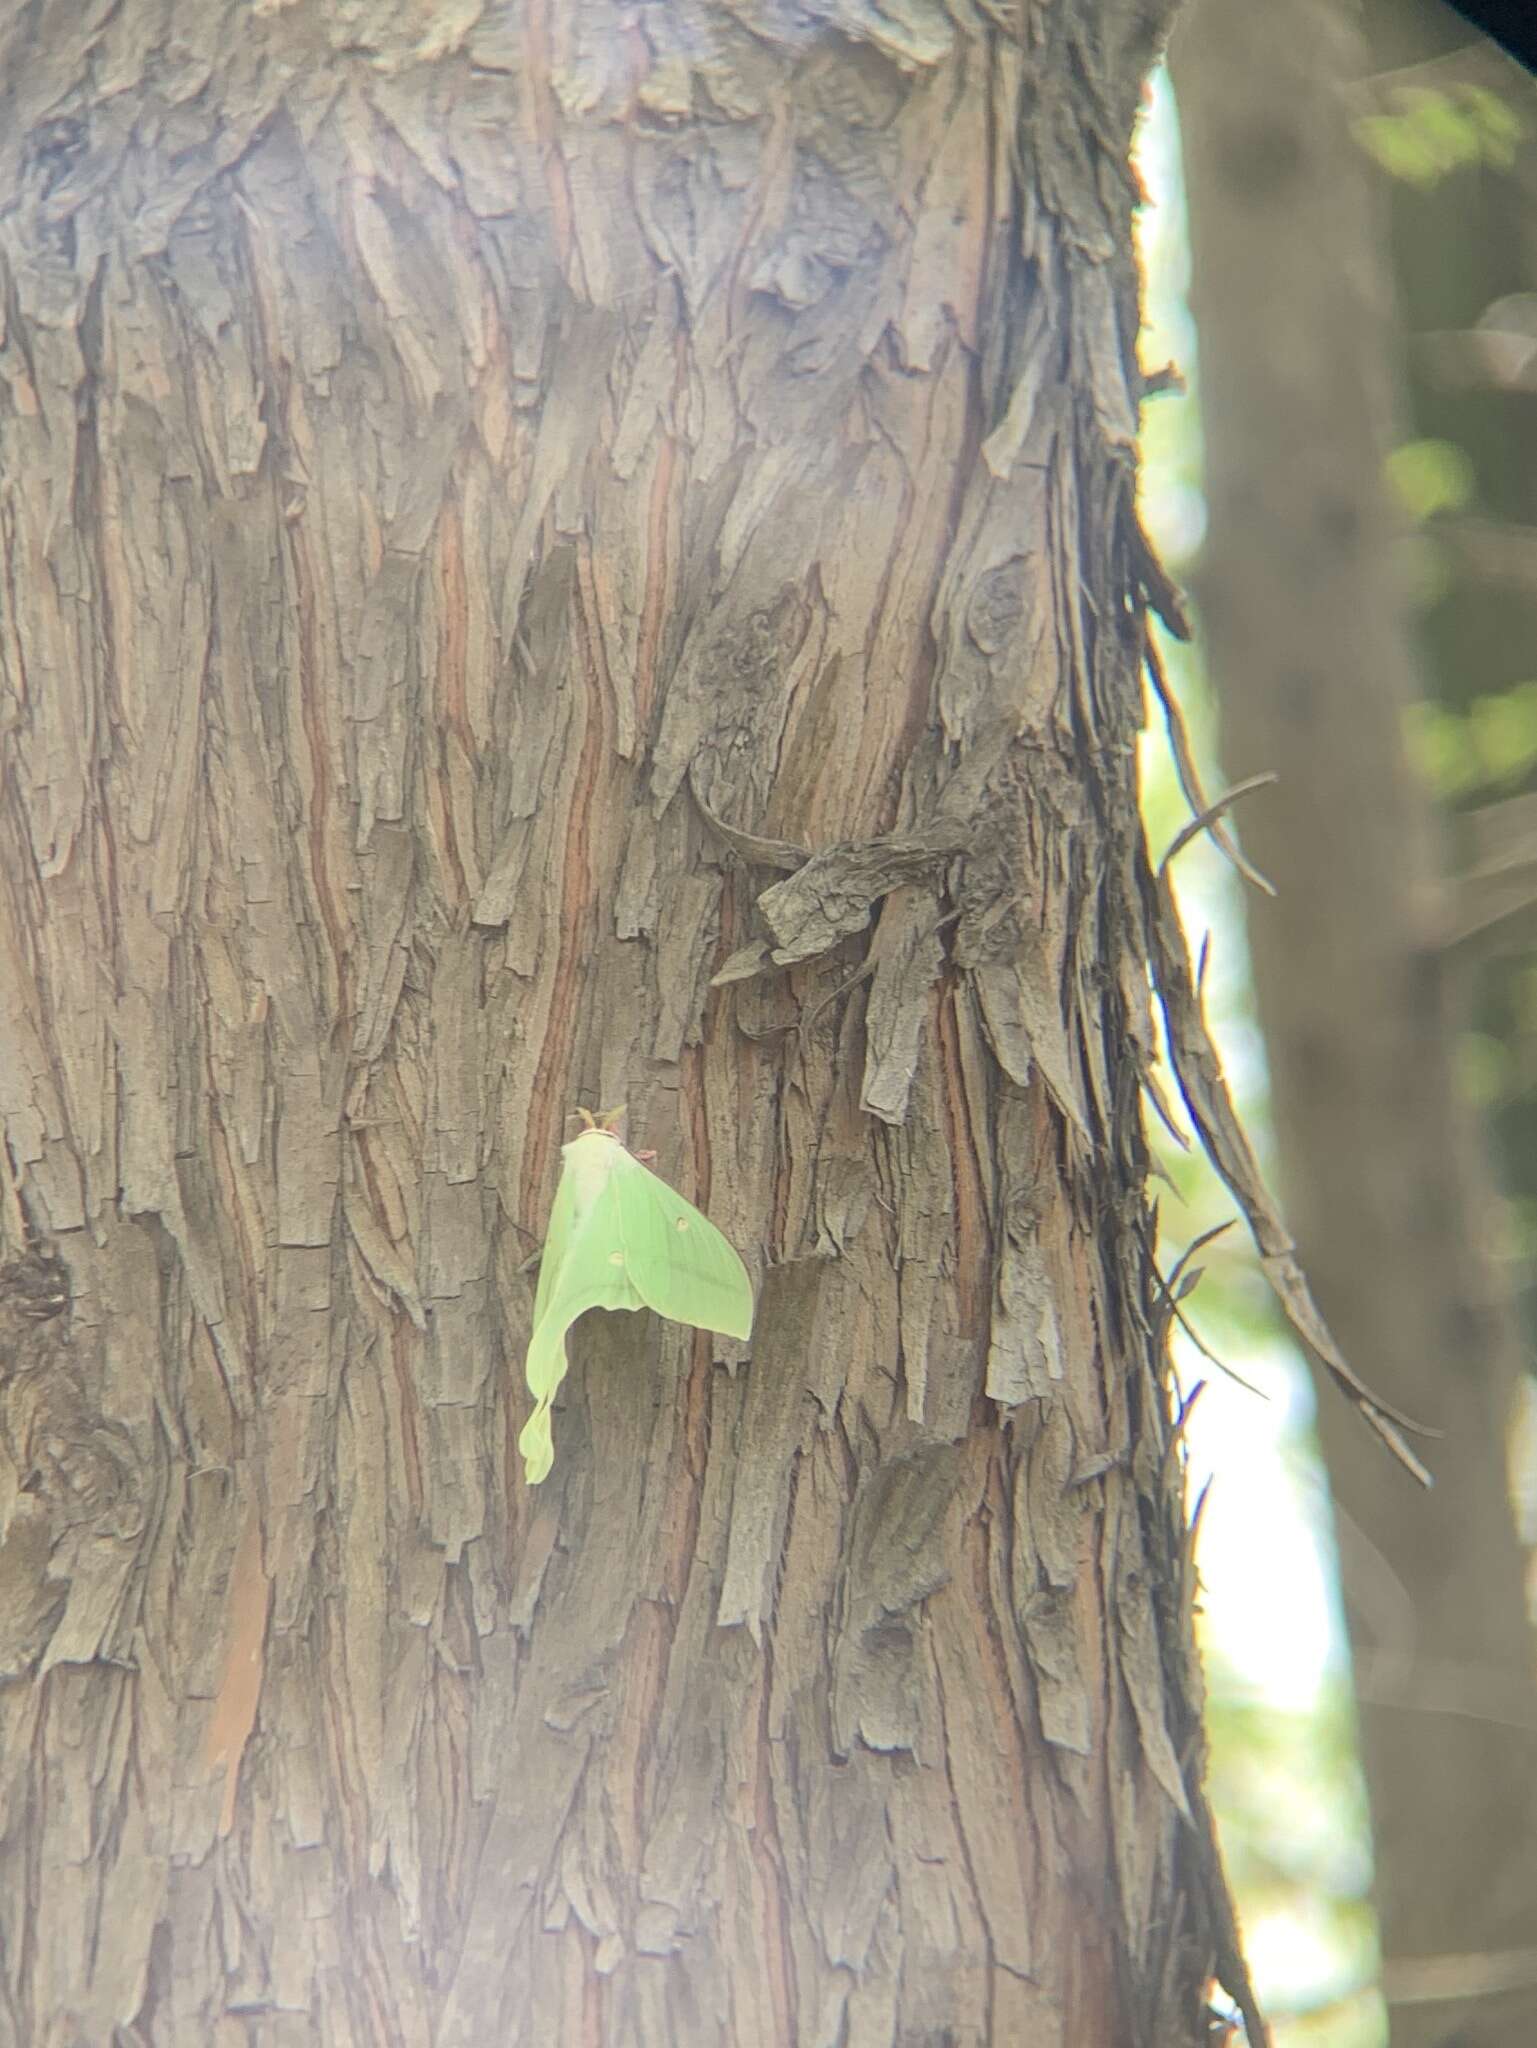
[(1307, 626), (479, 488)]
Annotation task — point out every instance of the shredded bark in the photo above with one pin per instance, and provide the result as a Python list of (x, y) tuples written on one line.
[(475, 492)]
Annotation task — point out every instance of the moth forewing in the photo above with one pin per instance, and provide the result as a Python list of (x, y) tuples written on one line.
[(680, 1264), (621, 1238)]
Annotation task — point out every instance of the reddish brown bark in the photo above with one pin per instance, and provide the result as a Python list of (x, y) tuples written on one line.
[(464, 473)]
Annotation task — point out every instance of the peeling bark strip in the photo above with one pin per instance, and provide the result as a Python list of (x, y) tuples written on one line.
[(449, 456)]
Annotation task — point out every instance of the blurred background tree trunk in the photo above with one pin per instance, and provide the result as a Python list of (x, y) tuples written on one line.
[(1306, 607), (482, 491)]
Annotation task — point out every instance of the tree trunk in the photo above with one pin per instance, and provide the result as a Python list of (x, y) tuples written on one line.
[(481, 491), (1303, 601)]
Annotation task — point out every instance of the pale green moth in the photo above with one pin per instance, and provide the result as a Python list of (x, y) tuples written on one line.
[(621, 1238)]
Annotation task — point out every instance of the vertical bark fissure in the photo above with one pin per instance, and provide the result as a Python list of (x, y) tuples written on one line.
[(778, 1906)]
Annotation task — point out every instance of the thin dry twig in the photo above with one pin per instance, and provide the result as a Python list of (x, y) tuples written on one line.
[(1184, 763), (1205, 1090), (1172, 1302), (1214, 811), (1211, 1357), (1196, 1244)]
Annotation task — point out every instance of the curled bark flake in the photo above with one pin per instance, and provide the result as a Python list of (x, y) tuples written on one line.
[(756, 850), (745, 964), (832, 896)]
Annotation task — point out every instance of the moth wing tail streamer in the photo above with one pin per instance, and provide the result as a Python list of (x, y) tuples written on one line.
[(679, 1263), (557, 1243), (545, 1370), (584, 1267)]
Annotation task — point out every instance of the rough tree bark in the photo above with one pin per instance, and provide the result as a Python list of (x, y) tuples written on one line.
[(480, 490), (1305, 616)]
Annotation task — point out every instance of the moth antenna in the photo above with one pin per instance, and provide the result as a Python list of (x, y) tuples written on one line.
[(599, 1119)]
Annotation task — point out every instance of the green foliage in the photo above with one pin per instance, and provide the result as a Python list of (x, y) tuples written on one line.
[(1483, 1067), (1505, 733), (1491, 748), (1429, 135), (1428, 477), (1516, 1232)]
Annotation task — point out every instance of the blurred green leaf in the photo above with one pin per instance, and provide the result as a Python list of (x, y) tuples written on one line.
[(1430, 134), (1504, 730), (1500, 125), (1440, 745), (1428, 477), (1447, 131), (1493, 745), (1518, 1228), (1483, 1067), (1393, 144)]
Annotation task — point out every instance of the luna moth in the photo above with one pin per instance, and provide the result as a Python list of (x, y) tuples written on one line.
[(621, 1238)]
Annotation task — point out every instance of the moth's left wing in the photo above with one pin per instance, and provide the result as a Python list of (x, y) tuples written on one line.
[(585, 1267)]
